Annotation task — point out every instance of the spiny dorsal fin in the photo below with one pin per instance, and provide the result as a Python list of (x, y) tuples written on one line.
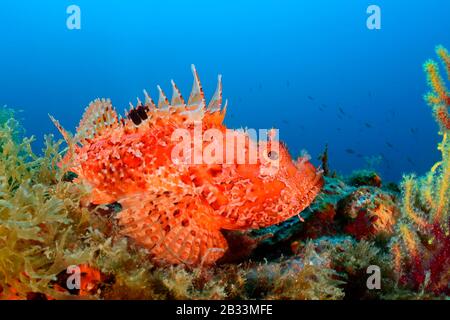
[(99, 115), (195, 110), (224, 110), (216, 101), (197, 97), (217, 116), (138, 114), (177, 98), (66, 135), (163, 102), (148, 100)]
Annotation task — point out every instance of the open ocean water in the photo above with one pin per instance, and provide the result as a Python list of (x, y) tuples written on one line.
[(312, 69)]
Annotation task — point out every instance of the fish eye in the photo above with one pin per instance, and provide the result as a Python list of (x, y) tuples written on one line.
[(272, 155)]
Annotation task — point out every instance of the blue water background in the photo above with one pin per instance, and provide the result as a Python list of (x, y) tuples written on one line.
[(282, 62)]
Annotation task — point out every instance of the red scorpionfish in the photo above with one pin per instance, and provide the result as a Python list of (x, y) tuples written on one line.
[(173, 207)]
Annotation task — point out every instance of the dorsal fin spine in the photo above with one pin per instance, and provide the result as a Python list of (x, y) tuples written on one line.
[(197, 97), (216, 101), (148, 100), (177, 98), (99, 115), (163, 102)]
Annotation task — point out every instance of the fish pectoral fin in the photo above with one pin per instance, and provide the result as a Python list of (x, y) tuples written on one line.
[(101, 197), (185, 233)]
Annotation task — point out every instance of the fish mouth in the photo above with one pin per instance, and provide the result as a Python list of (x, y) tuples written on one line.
[(309, 173), (310, 181), (315, 182), (319, 180)]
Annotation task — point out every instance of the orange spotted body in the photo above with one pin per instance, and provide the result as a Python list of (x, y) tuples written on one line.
[(175, 208)]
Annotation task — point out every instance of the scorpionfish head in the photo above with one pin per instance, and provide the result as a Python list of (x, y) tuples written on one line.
[(277, 188)]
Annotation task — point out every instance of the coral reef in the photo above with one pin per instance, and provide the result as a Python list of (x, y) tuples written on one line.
[(368, 213), (421, 251), (439, 98), (364, 178), (364, 212)]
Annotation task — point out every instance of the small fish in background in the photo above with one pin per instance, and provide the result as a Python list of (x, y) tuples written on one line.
[(323, 105), (410, 161), (359, 155), (340, 116), (414, 130), (350, 151), (373, 161), (311, 98), (389, 144), (285, 121), (368, 125), (386, 160), (339, 129), (342, 111)]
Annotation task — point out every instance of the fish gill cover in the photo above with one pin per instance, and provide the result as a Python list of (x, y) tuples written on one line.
[(149, 204)]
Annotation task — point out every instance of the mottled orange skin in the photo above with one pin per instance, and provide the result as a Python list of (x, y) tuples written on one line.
[(178, 210)]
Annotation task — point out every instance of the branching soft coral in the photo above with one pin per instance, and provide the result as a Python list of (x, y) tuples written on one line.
[(421, 252), (439, 98)]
